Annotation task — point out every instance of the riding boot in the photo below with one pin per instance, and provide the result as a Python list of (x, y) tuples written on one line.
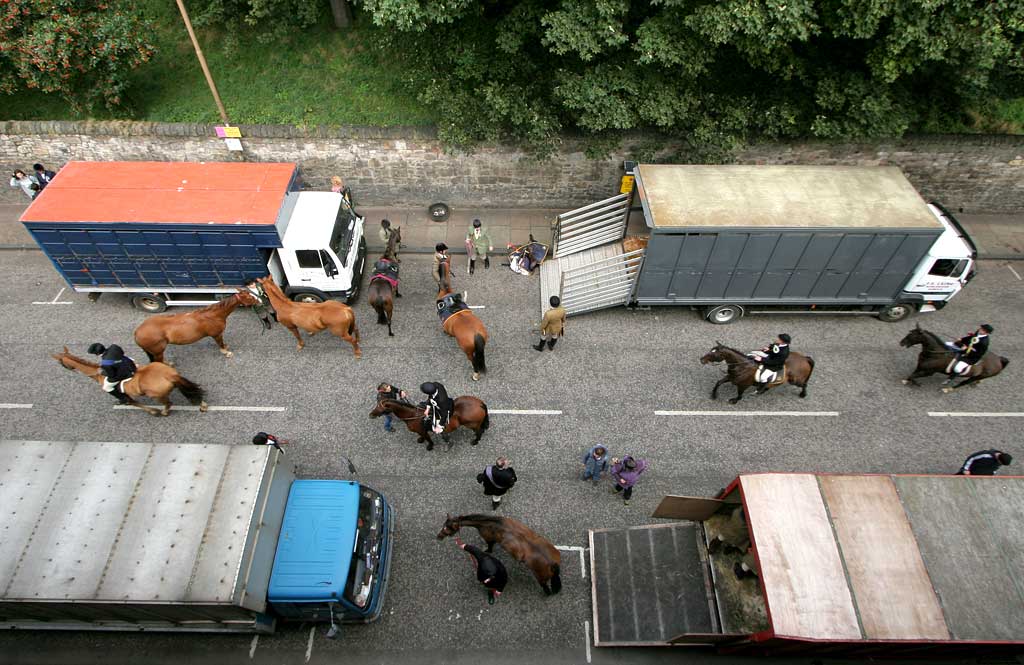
[(472, 266), (540, 345), (551, 343), (487, 262)]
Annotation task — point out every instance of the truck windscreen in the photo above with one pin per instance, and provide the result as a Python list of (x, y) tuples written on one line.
[(364, 571), (344, 229)]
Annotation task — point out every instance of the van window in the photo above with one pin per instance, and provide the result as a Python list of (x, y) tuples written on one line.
[(948, 267), (308, 258)]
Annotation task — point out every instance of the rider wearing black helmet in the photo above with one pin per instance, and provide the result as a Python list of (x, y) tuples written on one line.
[(439, 406), (115, 367), (771, 360)]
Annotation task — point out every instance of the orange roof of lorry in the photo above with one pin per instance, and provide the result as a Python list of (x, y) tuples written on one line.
[(164, 192)]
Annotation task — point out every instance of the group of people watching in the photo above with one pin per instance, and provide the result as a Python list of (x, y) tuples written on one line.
[(35, 183)]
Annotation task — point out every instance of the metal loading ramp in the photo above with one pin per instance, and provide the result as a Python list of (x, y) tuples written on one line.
[(650, 584)]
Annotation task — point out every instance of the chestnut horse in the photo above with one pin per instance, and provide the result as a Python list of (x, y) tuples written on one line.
[(524, 544), (155, 380), (330, 315), (464, 326), (380, 294), (935, 357), (469, 412), (156, 332), (741, 370)]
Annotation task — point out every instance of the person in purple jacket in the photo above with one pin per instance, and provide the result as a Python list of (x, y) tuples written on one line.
[(625, 473)]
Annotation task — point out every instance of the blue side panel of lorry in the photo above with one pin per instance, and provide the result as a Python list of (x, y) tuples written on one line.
[(155, 256)]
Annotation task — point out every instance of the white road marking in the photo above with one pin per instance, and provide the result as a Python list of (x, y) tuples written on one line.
[(586, 636), (1015, 274), (213, 408), (485, 306), (309, 644), (976, 414), (575, 548), (57, 301), (15, 406), (747, 414), (252, 645), (525, 412)]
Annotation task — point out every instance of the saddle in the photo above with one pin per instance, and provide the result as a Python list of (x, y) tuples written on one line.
[(449, 306), (388, 272)]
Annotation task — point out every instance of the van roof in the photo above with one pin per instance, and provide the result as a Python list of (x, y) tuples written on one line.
[(164, 192), (781, 196)]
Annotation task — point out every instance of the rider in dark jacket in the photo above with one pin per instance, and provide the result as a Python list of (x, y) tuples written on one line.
[(772, 358), (439, 405), (973, 347), (115, 367)]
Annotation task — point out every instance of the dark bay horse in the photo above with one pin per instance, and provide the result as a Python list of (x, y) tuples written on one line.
[(741, 369), (520, 541), (469, 412), (935, 358), (330, 315), (155, 380), (155, 333), (380, 293), (464, 326)]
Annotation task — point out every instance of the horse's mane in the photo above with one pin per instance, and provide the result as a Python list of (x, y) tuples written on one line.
[(737, 352), (478, 517), (935, 338)]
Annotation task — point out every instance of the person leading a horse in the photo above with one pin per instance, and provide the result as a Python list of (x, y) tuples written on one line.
[(262, 308), (115, 367), (439, 406), (970, 350), (771, 360), (385, 234)]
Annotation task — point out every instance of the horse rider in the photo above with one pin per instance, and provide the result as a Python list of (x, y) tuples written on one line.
[(970, 350), (771, 359), (262, 308), (385, 234), (440, 256), (115, 367), (439, 406)]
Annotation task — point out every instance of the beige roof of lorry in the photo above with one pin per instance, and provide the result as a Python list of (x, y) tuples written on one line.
[(782, 196)]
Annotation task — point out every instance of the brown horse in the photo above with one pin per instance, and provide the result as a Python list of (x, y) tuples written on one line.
[(156, 332), (464, 326), (330, 315), (155, 381), (524, 544), (380, 293), (936, 358), (469, 412), (741, 370)]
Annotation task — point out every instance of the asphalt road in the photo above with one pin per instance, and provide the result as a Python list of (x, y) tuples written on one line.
[(607, 377)]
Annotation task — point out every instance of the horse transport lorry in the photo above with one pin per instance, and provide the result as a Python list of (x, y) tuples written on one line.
[(183, 537), (736, 240), (864, 565), (179, 233)]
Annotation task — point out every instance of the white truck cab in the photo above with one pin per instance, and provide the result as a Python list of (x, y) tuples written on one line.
[(946, 268)]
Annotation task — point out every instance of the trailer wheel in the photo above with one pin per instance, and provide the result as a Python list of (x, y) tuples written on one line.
[(306, 296), (895, 312), (724, 314), (149, 302)]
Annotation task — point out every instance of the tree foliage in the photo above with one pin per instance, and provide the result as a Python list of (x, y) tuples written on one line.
[(83, 50), (269, 21), (715, 72)]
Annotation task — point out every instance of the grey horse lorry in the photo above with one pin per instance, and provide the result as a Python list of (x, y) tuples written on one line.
[(183, 538), (736, 240)]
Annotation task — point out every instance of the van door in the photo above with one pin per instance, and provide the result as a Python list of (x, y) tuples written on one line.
[(309, 268), (942, 277)]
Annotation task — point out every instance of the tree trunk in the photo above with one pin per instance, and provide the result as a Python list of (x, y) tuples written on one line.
[(342, 13)]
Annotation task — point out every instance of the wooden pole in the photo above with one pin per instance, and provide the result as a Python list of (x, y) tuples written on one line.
[(202, 63)]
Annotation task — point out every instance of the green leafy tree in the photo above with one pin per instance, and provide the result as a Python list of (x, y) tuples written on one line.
[(83, 50), (269, 21)]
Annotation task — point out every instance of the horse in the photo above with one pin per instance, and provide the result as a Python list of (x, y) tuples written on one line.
[(936, 357), (741, 370), (464, 326), (155, 380), (524, 544), (330, 315), (469, 412), (379, 293), (155, 333)]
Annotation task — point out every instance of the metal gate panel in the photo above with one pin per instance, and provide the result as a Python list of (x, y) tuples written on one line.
[(603, 283), (596, 224)]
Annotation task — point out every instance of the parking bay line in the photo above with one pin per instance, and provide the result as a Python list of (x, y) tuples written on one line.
[(580, 550), (56, 299), (525, 412), (15, 406), (976, 414), (212, 408), (748, 414)]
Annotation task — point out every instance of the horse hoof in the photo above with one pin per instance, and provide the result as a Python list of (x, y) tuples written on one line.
[(229, 354), (734, 400), (905, 382), (473, 443), (947, 390), (476, 376), (203, 407)]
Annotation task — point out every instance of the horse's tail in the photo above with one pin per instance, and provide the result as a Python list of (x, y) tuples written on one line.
[(377, 302), (810, 361), (192, 392), (479, 364), (487, 420), (556, 578)]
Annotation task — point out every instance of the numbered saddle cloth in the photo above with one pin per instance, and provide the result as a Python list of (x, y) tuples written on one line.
[(449, 306)]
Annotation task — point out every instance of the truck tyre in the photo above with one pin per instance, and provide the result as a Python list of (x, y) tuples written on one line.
[(724, 314), (306, 296), (149, 302), (895, 312)]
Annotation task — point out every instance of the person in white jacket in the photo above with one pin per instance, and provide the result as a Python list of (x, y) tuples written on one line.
[(25, 182)]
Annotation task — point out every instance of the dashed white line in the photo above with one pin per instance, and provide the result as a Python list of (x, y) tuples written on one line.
[(586, 636), (976, 414), (15, 406), (252, 645), (309, 644), (175, 407), (525, 412), (1015, 274), (748, 414)]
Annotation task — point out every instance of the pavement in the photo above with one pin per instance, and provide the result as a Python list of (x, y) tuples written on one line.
[(605, 379)]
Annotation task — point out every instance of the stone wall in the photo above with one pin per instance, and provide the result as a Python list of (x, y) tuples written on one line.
[(408, 166)]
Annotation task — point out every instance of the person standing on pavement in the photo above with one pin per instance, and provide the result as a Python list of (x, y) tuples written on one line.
[(553, 325), (385, 234), (984, 463), (19, 179), (43, 177), (625, 473), (440, 256), (478, 243), (489, 570), (497, 479), (388, 391), (595, 461)]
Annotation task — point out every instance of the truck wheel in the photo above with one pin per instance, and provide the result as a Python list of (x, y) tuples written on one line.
[(306, 296), (895, 312), (724, 314), (149, 302)]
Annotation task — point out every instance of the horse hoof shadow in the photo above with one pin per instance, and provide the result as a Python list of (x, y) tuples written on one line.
[(734, 400)]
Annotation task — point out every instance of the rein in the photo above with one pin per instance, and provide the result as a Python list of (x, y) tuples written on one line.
[(380, 403)]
